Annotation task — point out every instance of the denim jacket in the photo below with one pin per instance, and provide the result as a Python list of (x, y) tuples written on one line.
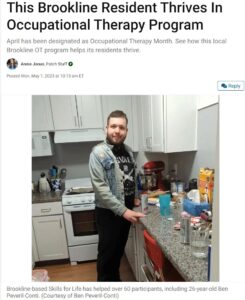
[(107, 178)]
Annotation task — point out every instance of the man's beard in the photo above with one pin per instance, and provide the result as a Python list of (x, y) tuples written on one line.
[(110, 141)]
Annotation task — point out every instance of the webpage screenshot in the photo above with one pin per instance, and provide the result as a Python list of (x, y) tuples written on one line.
[(122, 149)]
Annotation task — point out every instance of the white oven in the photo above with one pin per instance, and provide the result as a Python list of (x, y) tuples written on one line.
[(79, 215)]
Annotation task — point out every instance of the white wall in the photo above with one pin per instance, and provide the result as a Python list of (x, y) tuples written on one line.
[(204, 101), (189, 163), (72, 156)]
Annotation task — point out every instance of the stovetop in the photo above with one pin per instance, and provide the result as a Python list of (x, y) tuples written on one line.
[(78, 191), (78, 182)]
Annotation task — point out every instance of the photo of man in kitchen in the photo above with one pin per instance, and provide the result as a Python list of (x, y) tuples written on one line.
[(112, 169), (134, 193)]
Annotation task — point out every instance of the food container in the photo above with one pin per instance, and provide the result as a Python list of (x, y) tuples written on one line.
[(144, 203), (194, 208), (206, 184), (185, 228)]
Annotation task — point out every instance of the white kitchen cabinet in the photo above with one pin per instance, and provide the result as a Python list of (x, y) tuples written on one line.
[(41, 114), (35, 256), (131, 250), (49, 231), (168, 123), (134, 250), (140, 246), (151, 123), (128, 104), (90, 111), (76, 112)]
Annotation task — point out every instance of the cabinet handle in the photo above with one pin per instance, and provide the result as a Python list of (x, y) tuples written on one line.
[(150, 142), (81, 123), (75, 120), (45, 210), (60, 224)]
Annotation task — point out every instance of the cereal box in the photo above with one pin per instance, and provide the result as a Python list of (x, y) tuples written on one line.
[(206, 185)]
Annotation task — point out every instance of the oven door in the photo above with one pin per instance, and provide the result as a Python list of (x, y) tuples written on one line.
[(80, 224)]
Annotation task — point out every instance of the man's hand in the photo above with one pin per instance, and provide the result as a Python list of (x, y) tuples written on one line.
[(132, 216)]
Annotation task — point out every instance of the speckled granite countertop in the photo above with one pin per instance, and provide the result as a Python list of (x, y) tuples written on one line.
[(189, 267), (46, 197)]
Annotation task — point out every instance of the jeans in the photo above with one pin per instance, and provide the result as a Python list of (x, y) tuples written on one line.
[(113, 233)]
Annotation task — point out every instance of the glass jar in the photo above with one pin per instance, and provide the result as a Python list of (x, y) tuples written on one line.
[(200, 241)]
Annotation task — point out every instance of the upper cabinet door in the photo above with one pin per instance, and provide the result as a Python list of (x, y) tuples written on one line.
[(76, 112), (181, 123), (145, 124), (151, 123), (128, 104), (169, 123), (89, 111), (64, 109), (41, 114)]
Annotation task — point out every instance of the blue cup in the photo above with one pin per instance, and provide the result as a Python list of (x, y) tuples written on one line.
[(165, 205)]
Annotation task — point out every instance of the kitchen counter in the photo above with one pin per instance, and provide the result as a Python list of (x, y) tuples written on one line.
[(46, 197), (189, 267)]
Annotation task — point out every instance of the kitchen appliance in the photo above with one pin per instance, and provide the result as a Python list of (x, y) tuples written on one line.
[(41, 144), (78, 136), (153, 170), (43, 184), (79, 214)]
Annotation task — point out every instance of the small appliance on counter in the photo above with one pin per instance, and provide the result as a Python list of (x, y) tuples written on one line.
[(44, 185), (153, 175)]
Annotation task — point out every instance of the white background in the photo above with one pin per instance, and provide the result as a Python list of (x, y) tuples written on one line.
[(174, 69)]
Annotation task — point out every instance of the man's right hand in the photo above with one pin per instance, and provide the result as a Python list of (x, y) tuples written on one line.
[(132, 216)]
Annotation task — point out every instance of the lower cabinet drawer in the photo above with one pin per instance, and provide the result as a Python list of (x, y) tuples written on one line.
[(46, 209)]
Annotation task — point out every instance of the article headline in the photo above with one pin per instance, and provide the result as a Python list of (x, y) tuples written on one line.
[(85, 10)]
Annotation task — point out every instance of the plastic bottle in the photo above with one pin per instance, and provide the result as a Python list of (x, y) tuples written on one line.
[(185, 228)]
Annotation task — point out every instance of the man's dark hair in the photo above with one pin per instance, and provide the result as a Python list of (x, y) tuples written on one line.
[(117, 114)]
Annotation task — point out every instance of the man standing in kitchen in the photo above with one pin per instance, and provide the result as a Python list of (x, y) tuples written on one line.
[(112, 170)]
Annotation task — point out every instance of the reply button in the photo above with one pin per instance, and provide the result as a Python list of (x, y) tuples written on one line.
[(230, 86)]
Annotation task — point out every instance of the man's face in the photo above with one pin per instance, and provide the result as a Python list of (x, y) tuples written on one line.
[(116, 130)]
